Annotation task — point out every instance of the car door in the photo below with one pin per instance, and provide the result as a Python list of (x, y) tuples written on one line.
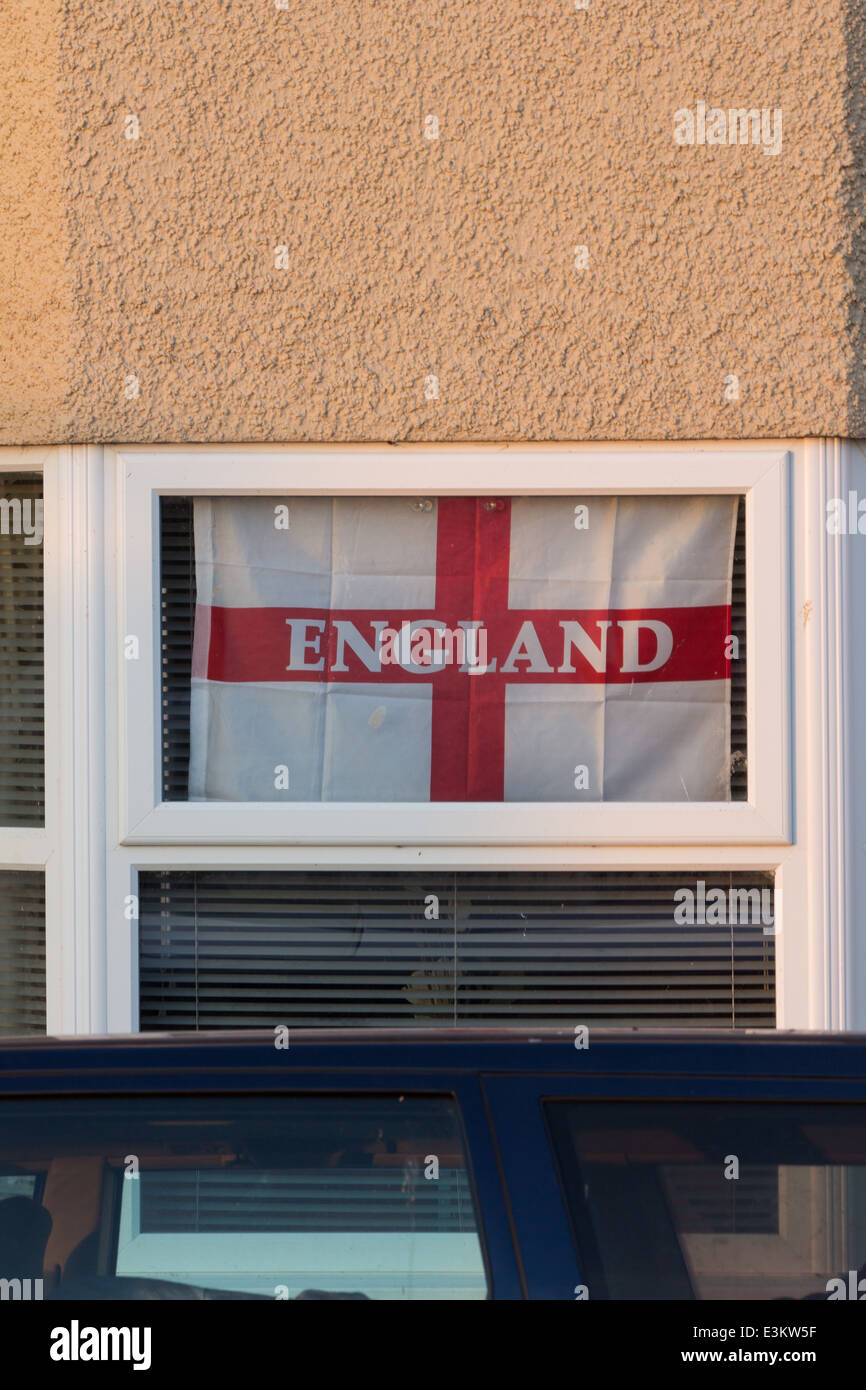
[(685, 1188), (344, 1185)]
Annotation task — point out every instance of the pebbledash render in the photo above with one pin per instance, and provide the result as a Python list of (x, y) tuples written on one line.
[(433, 514)]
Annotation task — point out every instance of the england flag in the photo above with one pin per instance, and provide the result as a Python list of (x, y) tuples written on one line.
[(462, 649)]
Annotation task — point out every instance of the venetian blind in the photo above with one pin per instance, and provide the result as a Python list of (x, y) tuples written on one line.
[(22, 952), (22, 721), (256, 949)]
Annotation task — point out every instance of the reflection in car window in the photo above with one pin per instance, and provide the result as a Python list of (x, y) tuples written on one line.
[(714, 1200), (273, 1197), (17, 1185)]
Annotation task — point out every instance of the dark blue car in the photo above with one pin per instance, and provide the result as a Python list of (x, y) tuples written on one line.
[(552, 1165)]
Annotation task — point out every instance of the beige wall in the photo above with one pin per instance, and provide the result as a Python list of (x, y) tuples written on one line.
[(37, 309), (410, 257)]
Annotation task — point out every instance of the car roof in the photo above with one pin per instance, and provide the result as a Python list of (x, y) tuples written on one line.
[(514, 1050)]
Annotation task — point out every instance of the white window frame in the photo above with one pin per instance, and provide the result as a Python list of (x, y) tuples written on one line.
[(795, 1003), (68, 848), (139, 475), (92, 877), (29, 848)]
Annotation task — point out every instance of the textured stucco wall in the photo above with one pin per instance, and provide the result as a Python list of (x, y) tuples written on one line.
[(410, 257), (36, 301)]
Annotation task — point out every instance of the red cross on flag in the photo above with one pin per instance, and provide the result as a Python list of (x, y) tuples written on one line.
[(462, 649)]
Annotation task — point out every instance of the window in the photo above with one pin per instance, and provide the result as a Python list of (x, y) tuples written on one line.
[(273, 1197), (311, 682), (120, 596), (714, 1200), (283, 832), (29, 690), (22, 720), (222, 950), (590, 661), (22, 952), (17, 1185)]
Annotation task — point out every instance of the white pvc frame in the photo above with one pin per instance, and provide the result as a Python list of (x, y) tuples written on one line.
[(139, 475), (70, 848), (92, 876)]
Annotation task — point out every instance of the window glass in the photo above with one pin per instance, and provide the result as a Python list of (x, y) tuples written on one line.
[(281, 1197), (715, 1200), (546, 649), (22, 951), (248, 949), (22, 716), (17, 1185)]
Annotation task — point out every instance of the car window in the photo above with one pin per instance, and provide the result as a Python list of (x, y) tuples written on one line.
[(714, 1201), (17, 1185), (269, 1197)]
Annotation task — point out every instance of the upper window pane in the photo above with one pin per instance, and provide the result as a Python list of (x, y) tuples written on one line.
[(22, 720), (549, 649)]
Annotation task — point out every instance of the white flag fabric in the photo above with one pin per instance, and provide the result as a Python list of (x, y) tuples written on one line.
[(462, 649)]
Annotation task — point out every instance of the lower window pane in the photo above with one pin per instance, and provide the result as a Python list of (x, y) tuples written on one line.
[(22, 713), (255, 949), (715, 1201), (364, 1196), (22, 952)]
